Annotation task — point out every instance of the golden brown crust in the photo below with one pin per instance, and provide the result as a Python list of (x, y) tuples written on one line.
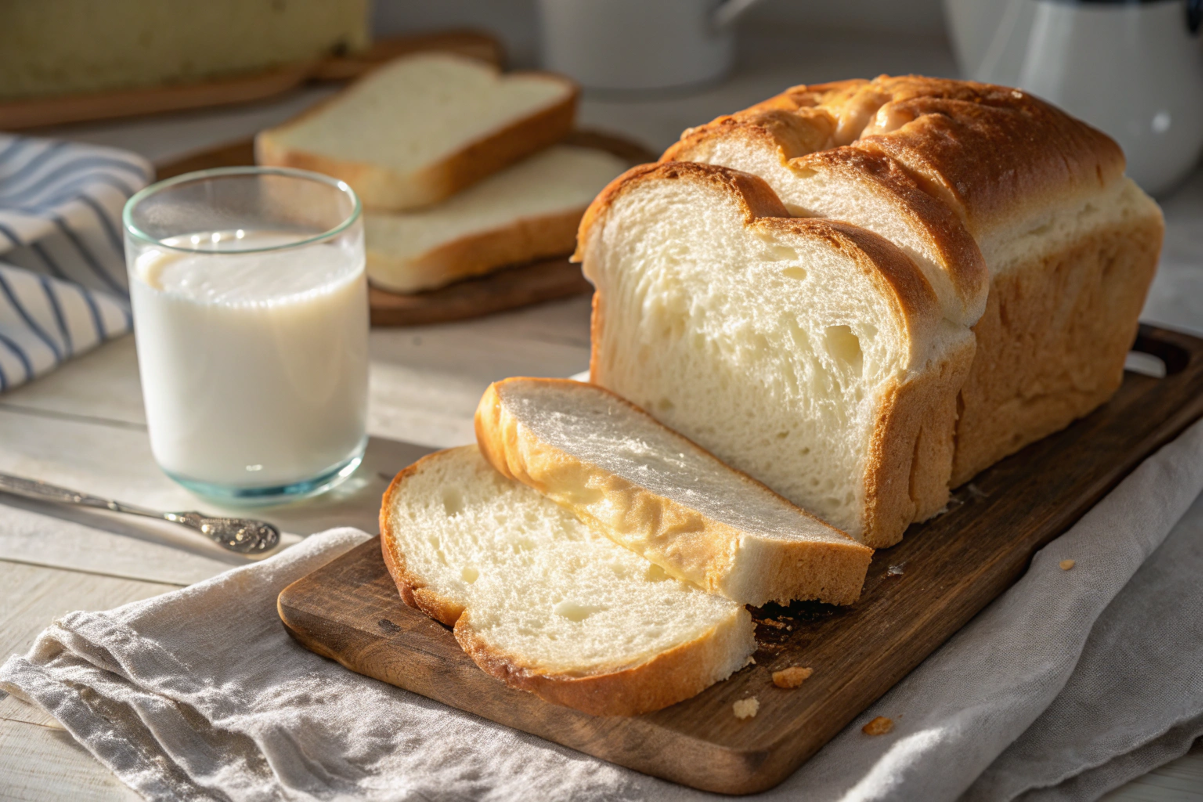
[(687, 544), (990, 153), (754, 195), (1076, 308), (910, 459), (385, 190), (523, 240), (669, 677)]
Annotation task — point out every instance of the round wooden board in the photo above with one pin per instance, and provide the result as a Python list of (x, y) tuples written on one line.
[(510, 288)]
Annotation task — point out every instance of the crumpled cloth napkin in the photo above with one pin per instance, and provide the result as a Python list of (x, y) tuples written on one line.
[(63, 285), (1069, 684)]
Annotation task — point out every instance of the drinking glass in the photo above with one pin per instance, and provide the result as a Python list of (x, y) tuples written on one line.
[(251, 321)]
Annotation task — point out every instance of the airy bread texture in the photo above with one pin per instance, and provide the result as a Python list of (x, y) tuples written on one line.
[(660, 495), (525, 212), (1018, 214), (810, 354), (543, 602), (423, 127)]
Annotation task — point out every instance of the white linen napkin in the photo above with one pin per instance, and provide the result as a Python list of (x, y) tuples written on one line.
[(62, 257), (1069, 684)]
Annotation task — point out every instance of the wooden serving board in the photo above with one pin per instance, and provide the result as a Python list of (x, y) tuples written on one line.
[(511, 288), (35, 112), (951, 567)]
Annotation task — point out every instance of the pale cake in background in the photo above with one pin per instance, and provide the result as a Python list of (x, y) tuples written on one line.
[(64, 47), (421, 128), (656, 493), (543, 602), (525, 212)]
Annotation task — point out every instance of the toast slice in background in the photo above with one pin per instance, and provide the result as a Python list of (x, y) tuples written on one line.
[(525, 212), (810, 354), (544, 603), (423, 127), (985, 187), (662, 496)]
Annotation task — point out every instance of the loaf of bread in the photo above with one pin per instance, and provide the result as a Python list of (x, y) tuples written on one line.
[(542, 602), (1018, 214), (812, 355), (525, 212), (423, 127), (660, 495)]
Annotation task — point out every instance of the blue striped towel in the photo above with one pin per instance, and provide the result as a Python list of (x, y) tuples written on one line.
[(63, 287)]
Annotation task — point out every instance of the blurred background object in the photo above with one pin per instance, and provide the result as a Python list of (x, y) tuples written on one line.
[(636, 44), (60, 47), (1132, 69)]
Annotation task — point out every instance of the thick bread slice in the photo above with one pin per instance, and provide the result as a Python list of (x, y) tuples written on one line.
[(543, 602), (423, 127), (660, 495), (1039, 198), (810, 354), (528, 211)]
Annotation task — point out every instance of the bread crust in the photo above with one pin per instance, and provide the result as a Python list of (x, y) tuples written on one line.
[(668, 678), (917, 413), (524, 240), (1078, 309), (991, 153), (755, 197), (383, 189), (689, 545)]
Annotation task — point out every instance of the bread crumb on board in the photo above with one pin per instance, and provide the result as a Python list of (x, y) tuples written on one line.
[(1067, 564), (878, 726), (746, 708), (791, 677)]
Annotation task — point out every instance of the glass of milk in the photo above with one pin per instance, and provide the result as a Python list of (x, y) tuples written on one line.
[(251, 320)]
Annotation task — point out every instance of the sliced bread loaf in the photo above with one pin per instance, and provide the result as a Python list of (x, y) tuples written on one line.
[(543, 602), (660, 495), (810, 354), (528, 211), (423, 127), (984, 186)]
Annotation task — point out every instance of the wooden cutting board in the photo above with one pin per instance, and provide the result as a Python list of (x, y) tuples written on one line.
[(514, 287), (917, 595), (35, 112)]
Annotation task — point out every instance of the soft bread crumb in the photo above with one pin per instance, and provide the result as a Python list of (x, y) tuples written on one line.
[(746, 708), (791, 677), (1067, 564), (878, 726)]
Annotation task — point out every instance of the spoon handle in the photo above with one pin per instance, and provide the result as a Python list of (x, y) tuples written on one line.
[(44, 491)]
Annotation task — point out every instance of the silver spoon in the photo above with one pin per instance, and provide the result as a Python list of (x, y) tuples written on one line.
[(242, 535)]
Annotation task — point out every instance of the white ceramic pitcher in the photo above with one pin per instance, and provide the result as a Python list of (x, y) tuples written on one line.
[(1134, 70)]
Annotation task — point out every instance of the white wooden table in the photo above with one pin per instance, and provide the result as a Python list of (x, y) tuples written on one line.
[(83, 426)]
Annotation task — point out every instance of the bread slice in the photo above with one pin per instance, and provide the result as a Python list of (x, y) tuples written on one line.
[(423, 127), (543, 602), (528, 211), (810, 354), (660, 495), (965, 176)]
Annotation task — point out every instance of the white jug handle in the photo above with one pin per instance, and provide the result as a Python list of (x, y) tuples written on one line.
[(728, 11)]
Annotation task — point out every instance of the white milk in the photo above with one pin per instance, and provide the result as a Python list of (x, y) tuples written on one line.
[(254, 366)]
